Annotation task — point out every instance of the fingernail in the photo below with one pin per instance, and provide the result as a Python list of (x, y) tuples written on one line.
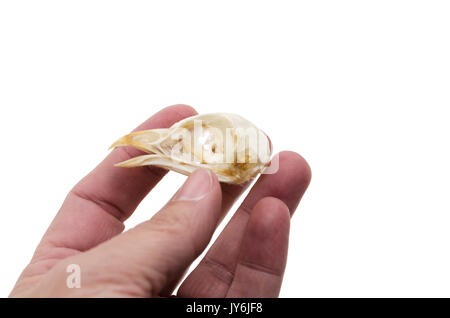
[(196, 187)]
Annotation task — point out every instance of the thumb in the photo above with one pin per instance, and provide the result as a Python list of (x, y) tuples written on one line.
[(148, 259)]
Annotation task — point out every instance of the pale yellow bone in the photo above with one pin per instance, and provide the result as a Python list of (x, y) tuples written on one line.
[(144, 140), (171, 150)]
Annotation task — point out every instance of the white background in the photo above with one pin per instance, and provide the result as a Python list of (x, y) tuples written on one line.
[(359, 88)]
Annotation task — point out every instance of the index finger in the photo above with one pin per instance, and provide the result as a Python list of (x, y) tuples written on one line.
[(96, 207)]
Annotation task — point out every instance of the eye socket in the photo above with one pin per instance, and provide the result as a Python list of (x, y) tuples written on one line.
[(213, 148)]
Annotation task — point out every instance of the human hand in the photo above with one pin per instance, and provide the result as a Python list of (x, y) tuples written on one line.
[(247, 259)]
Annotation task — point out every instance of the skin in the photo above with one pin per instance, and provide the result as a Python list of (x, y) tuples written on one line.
[(247, 260)]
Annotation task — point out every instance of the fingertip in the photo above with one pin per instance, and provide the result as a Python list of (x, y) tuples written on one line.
[(269, 217), (214, 178), (182, 110), (293, 161), (199, 184), (288, 183), (167, 116)]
